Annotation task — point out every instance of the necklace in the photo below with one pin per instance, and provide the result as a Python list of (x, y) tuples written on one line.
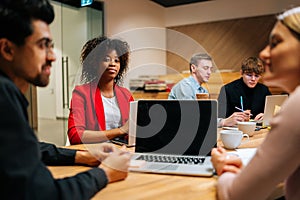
[(108, 95)]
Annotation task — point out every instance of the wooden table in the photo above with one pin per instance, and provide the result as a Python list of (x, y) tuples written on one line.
[(157, 186)]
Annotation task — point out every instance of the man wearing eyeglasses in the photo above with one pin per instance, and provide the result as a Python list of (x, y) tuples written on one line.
[(26, 54), (244, 94), (201, 66)]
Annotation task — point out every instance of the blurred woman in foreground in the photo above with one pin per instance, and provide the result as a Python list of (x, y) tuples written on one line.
[(277, 158)]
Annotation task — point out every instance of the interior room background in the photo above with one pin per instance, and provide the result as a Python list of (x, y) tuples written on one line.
[(162, 40)]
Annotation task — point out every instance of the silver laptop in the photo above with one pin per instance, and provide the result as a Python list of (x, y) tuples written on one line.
[(128, 140), (175, 136), (272, 103)]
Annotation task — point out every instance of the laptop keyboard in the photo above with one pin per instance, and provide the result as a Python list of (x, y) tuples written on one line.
[(172, 159)]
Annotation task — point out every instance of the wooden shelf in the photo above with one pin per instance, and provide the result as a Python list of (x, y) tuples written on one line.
[(150, 95)]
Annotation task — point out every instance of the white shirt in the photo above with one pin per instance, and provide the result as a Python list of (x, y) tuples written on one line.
[(112, 112)]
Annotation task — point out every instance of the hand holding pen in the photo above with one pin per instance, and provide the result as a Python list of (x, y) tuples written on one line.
[(244, 111), (242, 108), (236, 117)]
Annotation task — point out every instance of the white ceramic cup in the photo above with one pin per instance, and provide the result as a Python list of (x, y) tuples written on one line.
[(232, 138), (247, 127)]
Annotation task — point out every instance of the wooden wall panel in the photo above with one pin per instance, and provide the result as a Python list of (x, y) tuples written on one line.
[(228, 42)]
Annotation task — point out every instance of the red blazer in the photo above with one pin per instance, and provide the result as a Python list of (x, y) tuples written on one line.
[(87, 113)]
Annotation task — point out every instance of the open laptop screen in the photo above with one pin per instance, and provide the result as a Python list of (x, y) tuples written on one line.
[(182, 127), (272, 105)]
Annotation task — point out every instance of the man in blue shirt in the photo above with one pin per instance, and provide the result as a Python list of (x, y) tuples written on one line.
[(201, 66)]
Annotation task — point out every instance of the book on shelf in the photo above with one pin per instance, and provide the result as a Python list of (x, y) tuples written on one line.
[(155, 85)]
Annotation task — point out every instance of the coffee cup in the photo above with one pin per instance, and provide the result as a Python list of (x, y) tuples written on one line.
[(247, 127), (231, 139), (202, 96)]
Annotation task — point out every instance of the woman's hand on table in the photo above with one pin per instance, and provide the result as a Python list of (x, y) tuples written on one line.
[(224, 162), (125, 128)]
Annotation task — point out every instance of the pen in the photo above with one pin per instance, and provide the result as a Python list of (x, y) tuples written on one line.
[(240, 109), (242, 104)]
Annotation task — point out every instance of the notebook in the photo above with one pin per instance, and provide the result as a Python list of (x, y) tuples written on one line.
[(123, 140), (175, 137), (272, 105), (128, 140)]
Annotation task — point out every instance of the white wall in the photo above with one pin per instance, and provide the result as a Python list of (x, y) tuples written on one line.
[(223, 9), (142, 24)]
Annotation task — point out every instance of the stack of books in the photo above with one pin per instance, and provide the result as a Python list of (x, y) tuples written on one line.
[(136, 84), (155, 85)]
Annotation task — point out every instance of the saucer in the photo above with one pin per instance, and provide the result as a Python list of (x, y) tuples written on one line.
[(230, 128)]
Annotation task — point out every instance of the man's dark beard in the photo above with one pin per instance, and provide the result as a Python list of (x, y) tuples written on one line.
[(42, 80)]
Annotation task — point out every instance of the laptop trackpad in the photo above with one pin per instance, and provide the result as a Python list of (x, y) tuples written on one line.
[(159, 166)]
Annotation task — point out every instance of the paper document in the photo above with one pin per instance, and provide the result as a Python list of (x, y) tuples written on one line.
[(245, 154)]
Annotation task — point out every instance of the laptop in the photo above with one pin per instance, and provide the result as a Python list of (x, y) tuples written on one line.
[(175, 137), (128, 140), (272, 106)]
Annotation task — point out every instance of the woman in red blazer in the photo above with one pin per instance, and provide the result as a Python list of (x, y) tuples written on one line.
[(100, 107)]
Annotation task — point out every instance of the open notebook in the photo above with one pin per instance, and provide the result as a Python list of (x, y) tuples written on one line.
[(272, 106), (175, 136)]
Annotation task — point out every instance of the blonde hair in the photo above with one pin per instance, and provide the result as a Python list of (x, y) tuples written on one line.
[(291, 19)]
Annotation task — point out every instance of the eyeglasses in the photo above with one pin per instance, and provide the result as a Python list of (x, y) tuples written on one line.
[(45, 43), (256, 76)]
